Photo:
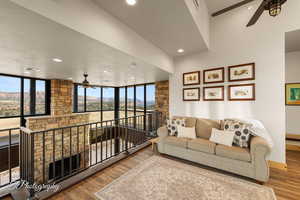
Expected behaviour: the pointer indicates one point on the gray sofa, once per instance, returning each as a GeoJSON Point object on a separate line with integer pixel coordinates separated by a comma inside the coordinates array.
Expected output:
{"type": "Point", "coordinates": [250, 162]}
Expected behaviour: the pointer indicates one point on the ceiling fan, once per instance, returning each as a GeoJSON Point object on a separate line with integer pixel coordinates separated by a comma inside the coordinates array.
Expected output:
{"type": "Point", "coordinates": [85, 83]}
{"type": "Point", "coordinates": [273, 6]}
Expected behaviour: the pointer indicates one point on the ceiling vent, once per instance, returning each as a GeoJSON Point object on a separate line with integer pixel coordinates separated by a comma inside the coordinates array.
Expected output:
{"type": "Point", "coordinates": [196, 3]}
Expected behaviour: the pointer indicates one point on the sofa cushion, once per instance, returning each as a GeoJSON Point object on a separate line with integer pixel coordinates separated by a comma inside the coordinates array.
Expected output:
{"type": "Point", "coordinates": [189, 121]}
{"type": "Point", "coordinates": [175, 141]}
{"type": "Point", "coordinates": [204, 127]}
{"type": "Point", "coordinates": [201, 145]}
{"type": "Point", "coordinates": [234, 152]}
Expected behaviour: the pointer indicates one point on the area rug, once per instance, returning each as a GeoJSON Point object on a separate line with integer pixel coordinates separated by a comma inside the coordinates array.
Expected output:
{"type": "Point", "coordinates": [160, 178]}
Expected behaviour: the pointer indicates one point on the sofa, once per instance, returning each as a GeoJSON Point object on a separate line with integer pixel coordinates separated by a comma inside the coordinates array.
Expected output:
{"type": "Point", "coordinates": [249, 162]}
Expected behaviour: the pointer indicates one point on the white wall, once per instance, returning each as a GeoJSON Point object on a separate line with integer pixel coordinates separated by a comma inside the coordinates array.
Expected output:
{"type": "Point", "coordinates": [292, 64]}
{"type": "Point", "coordinates": [232, 43]}
{"type": "Point", "coordinates": [201, 19]}
{"type": "Point", "coordinates": [87, 18]}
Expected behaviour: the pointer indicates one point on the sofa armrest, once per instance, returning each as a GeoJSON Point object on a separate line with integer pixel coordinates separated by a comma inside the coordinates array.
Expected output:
{"type": "Point", "coordinates": [162, 132]}
{"type": "Point", "coordinates": [259, 149]}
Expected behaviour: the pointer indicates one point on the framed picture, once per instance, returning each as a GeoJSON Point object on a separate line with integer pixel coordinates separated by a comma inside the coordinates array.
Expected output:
{"type": "Point", "coordinates": [292, 94]}
{"type": "Point", "coordinates": [243, 72]}
{"type": "Point", "coordinates": [245, 92]}
{"type": "Point", "coordinates": [213, 93]}
{"type": "Point", "coordinates": [215, 75]}
{"type": "Point", "coordinates": [191, 94]}
{"type": "Point", "coordinates": [191, 78]}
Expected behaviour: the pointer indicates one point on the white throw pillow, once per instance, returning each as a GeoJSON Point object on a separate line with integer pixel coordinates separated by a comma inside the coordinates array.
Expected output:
{"type": "Point", "coordinates": [222, 137]}
{"type": "Point", "coordinates": [186, 132]}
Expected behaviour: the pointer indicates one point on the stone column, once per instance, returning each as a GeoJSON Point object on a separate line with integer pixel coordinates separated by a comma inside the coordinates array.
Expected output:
{"type": "Point", "coordinates": [61, 97]}
{"type": "Point", "coordinates": [162, 98]}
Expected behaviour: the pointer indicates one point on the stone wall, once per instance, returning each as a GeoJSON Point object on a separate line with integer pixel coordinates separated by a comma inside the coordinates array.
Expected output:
{"type": "Point", "coordinates": [61, 97]}
{"type": "Point", "coordinates": [70, 148]}
{"type": "Point", "coordinates": [162, 98]}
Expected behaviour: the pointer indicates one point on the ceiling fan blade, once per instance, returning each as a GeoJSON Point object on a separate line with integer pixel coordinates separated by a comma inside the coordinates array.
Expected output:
{"type": "Point", "coordinates": [258, 13]}
{"type": "Point", "coordinates": [231, 7]}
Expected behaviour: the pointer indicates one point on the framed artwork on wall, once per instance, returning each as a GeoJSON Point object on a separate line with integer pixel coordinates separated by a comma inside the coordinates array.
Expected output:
{"type": "Point", "coordinates": [215, 75]}
{"type": "Point", "coordinates": [243, 72]}
{"type": "Point", "coordinates": [245, 92]}
{"type": "Point", "coordinates": [191, 78]}
{"type": "Point", "coordinates": [292, 94]}
{"type": "Point", "coordinates": [213, 93]}
{"type": "Point", "coordinates": [191, 94]}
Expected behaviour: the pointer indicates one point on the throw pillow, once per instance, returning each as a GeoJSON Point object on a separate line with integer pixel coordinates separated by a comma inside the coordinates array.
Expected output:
{"type": "Point", "coordinates": [242, 132]}
{"type": "Point", "coordinates": [186, 132]}
{"type": "Point", "coordinates": [222, 137]}
{"type": "Point", "coordinates": [173, 124]}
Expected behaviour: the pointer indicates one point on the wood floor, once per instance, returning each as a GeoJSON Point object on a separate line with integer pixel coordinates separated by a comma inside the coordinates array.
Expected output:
{"type": "Point", "coordinates": [285, 184]}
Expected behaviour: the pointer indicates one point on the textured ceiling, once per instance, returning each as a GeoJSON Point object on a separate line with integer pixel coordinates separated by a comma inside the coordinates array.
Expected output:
{"type": "Point", "coordinates": [30, 40]}
{"type": "Point", "coordinates": [168, 24]}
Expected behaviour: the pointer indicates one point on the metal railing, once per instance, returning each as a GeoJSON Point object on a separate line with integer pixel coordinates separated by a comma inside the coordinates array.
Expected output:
{"type": "Point", "coordinates": [9, 154]}
{"type": "Point", "coordinates": [53, 155]}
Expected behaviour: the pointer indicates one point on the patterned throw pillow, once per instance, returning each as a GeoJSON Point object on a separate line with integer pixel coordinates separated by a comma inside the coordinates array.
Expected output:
{"type": "Point", "coordinates": [172, 126]}
{"type": "Point", "coordinates": [242, 132]}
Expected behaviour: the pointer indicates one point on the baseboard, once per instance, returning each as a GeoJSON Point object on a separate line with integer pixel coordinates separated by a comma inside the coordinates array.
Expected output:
{"type": "Point", "coordinates": [293, 136]}
{"type": "Point", "coordinates": [292, 147]}
{"type": "Point", "coordinates": [277, 165]}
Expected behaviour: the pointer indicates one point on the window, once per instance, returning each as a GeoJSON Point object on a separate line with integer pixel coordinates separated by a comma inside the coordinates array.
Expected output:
{"type": "Point", "coordinates": [122, 102]}
{"type": "Point", "coordinates": [101, 102]}
{"type": "Point", "coordinates": [26, 97]}
{"type": "Point", "coordinates": [10, 90]}
{"type": "Point", "coordinates": [93, 99]}
{"type": "Point", "coordinates": [80, 98]}
{"type": "Point", "coordinates": [40, 97]}
{"type": "Point", "coordinates": [140, 100]}
{"type": "Point", "coordinates": [150, 96]}
{"type": "Point", "coordinates": [130, 101]}
{"type": "Point", "coordinates": [108, 103]}
{"type": "Point", "coordinates": [20, 97]}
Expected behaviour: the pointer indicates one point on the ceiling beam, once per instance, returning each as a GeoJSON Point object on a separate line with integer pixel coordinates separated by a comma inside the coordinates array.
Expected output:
{"type": "Point", "coordinates": [220, 12]}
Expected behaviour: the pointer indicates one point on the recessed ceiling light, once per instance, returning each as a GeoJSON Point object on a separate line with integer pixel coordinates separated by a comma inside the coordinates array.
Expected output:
{"type": "Point", "coordinates": [26, 72]}
{"type": "Point", "coordinates": [180, 50]}
{"type": "Point", "coordinates": [131, 2]}
{"type": "Point", "coordinates": [70, 78]}
{"type": "Point", "coordinates": [105, 71]}
{"type": "Point", "coordinates": [250, 7]}
{"type": "Point", "coordinates": [57, 60]}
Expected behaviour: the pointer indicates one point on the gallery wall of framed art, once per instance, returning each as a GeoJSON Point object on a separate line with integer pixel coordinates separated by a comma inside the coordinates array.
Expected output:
{"type": "Point", "coordinates": [216, 76]}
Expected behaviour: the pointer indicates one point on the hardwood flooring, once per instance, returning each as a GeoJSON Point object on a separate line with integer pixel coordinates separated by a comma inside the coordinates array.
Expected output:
{"type": "Point", "coordinates": [285, 184]}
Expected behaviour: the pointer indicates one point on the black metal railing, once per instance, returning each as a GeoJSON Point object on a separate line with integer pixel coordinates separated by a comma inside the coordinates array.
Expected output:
{"type": "Point", "coordinates": [9, 155]}
{"type": "Point", "coordinates": [53, 155]}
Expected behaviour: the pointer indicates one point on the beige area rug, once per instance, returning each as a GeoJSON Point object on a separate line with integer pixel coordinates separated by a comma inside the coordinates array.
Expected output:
{"type": "Point", "coordinates": [160, 178]}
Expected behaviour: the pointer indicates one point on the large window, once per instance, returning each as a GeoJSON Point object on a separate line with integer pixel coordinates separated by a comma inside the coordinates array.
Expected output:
{"type": "Point", "coordinates": [140, 99]}
{"type": "Point", "coordinates": [21, 97]}
{"type": "Point", "coordinates": [150, 97]}
{"type": "Point", "coordinates": [98, 101]}
{"type": "Point", "coordinates": [101, 101]}
{"type": "Point", "coordinates": [130, 101]}
{"type": "Point", "coordinates": [108, 103]}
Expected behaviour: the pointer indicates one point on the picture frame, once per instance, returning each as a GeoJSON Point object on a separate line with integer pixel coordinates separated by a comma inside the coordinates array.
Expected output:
{"type": "Point", "coordinates": [191, 78]}
{"type": "Point", "coordinates": [191, 94]}
{"type": "Point", "coordinates": [215, 75]}
{"type": "Point", "coordinates": [243, 92]}
{"type": "Point", "coordinates": [292, 94]}
{"type": "Point", "coordinates": [215, 93]}
{"type": "Point", "coordinates": [244, 72]}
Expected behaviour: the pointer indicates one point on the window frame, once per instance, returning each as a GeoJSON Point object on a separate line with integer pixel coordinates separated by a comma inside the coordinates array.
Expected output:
{"type": "Point", "coordinates": [32, 96]}
{"type": "Point", "coordinates": [116, 100]}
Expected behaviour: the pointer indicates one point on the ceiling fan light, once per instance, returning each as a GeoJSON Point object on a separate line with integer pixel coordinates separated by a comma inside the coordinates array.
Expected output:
{"type": "Point", "coordinates": [275, 8]}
